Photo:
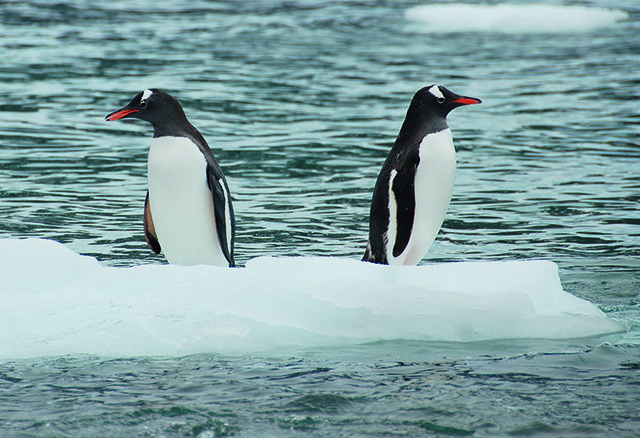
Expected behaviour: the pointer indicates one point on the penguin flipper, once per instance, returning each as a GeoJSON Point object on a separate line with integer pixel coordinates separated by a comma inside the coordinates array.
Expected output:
{"type": "Point", "coordinates": [403, 188]}
{"type": "Point", "coordinates": [149, 228]}
{"type": "Point", "coordinates": [223, 212]}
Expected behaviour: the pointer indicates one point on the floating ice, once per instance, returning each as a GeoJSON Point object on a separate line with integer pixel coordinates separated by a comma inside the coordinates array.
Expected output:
{"type": "Point", "coordinates": [510, 18]}
{"type": "Point", "coordinates": [57, 302]}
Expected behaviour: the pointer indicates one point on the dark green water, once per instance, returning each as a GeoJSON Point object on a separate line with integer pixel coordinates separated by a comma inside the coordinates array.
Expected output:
{"type": "Point", "coordinates": [300, 102]}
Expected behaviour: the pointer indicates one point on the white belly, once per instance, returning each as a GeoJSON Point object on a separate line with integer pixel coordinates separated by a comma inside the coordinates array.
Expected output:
{"type": "Point", "coordinates": [433, 188]}
{"type": "Point", "coordinates": [181, 203]}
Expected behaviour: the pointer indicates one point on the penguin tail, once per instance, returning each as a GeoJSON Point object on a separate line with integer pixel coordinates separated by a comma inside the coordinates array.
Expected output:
{"type": "Point", "coordinates": [370, 256]}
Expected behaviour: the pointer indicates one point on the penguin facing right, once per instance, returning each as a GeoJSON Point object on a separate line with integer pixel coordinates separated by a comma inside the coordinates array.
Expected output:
{"type": "Point", "coordinates": [415, 184]}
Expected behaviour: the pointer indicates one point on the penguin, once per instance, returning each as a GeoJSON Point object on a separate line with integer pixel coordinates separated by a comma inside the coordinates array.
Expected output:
{"type": "Point", "coordinates": [415, 184]}
{"type": "Point", "coordinates": [188, 213]}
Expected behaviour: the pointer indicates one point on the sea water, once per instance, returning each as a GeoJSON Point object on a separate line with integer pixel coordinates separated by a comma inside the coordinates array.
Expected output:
{"type": "Point", "coordinates": [300, 102]}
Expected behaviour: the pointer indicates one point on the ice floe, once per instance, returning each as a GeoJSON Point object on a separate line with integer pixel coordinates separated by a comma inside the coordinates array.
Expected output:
{"type": "Point", "coordinates": [57, 302]}
{"type": "Point", "coordinates": [510, 18]}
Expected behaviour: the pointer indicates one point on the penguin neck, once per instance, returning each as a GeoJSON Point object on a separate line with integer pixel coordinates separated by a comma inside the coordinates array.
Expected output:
{"type": "Point", "coordinates": [173, 127]}
{"type": "Point", "coordinates": [419, 123]}
{"type": "Point", "coordinates": [181, 127]}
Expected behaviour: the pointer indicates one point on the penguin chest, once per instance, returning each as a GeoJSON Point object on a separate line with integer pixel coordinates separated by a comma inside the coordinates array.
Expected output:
{"type": "Point", "coordinates": [433, 186]}
{"type": "Point", "coordinates": [181, 203]}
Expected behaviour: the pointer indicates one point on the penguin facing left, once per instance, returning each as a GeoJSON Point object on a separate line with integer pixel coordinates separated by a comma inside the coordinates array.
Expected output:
{"type": "Point", "coordinates": [188, 213]}
{"type": "Point", "coordinates": [414, 187]}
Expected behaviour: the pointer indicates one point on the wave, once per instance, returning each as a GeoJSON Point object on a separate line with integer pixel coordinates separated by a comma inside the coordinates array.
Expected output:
{"type": "Point", "coordinates": [510, 18]}
{"type": "Point", "coordinates": [57, 302]}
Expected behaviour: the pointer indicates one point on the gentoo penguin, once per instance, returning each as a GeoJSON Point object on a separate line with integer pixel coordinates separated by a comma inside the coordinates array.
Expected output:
{"type": "Point", "coordinates": [187, 213]}
{"type": "Point", "coordinates": [415, 184]}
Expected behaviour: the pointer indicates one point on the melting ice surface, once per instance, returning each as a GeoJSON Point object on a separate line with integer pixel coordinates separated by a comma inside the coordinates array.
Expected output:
{"type": "Point", "coordinates": [56, 302]}
{"type": "Point", "coordinates": [510, 18]}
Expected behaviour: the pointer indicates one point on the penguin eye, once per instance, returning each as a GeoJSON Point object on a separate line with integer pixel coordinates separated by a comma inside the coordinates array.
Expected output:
{"type": "Point", "coordinates": [441, 99]}
{"type": "Point", "coordinates": [143, 104]}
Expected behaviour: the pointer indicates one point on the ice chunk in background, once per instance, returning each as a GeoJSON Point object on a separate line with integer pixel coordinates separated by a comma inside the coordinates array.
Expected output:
{"type": "Point", "coordinates": [510, 18]}
{"type": "Point", "coordinates": [57, 302]}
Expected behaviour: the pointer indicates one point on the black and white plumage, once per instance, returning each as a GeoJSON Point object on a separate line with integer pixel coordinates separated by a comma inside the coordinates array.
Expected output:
{"type": "Point", "coordinates": [188, 213]}
{"type": "Point", "coordinates": [414, 187]}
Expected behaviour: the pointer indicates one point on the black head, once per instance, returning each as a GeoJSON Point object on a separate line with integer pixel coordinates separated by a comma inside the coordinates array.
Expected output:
{"type": "Point", "coordinates": [428, 111]}
{"type": "Point", "coordinates": [439, 100]}
{"type": "Point", "coordinates": [153, 105]}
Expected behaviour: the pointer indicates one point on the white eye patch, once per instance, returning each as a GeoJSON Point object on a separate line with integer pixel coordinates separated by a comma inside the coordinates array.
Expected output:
{"type": "Point", "coordinates": [435, 91]}
{"type": "Point", "coordinates": [146, 94]}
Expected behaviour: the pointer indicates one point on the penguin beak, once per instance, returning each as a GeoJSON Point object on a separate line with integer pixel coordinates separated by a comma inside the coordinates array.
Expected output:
{"type": "Point", "coordinates": [464, 100]}
{"type": "Point", "coordinates": [120, 114]}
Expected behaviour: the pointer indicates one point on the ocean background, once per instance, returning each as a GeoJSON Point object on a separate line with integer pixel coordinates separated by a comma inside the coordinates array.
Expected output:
{"type": "Point", "coordinates": [300, 102]}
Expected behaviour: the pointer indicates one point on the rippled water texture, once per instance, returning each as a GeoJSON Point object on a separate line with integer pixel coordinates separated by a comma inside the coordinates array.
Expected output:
{"type": "Point", "coordinates": [300, 101]}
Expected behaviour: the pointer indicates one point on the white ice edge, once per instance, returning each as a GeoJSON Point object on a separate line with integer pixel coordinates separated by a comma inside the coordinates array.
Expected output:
{"type": "Point", "coordinates": [510, 18]}
{"type": "Point", "coordinates": [56, 302]}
